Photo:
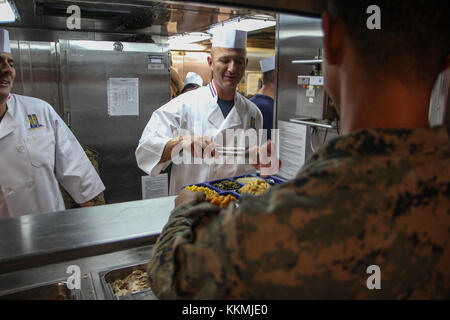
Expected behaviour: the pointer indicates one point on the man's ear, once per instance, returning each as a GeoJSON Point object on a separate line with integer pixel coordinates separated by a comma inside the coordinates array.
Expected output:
{"type": "Point", "coordinates": [209, 58]}
{"type": "Point", "coordinates": [332, 41]}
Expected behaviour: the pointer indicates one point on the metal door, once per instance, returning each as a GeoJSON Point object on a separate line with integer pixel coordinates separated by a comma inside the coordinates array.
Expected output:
{"type": "Point", "coordinates": [86, 67]}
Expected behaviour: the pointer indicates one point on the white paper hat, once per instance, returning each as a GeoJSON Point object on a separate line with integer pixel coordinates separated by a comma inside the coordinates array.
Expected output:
{"type": "Point", "coordinates": [267, 64]}
{"type": "Point", "coordinates": [230, 38]}
{"type": "Point", "coordinates": [4, 41]}
{"type": "Point", "coordinates": [193, 77]}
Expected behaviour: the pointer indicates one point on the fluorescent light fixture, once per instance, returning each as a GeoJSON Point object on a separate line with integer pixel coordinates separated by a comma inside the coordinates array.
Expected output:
{"type": "Point", "coordinates": [187, 41]}
{"type": "Point", "coordinates": [303, 33]}
{"type": "Point", "coordinates": [250, 23]}
{"type": "Point", "coordinates": [188, 47]}
{"type": "Point", "coordinates": [7, 11]}
{"type": "Point", "coordinates": [317, 61]}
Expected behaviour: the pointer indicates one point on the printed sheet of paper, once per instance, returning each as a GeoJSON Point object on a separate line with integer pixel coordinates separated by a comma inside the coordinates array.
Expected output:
{"type": "Point", "coordinates": [252, 82]}
{"type": "Point", "coordinates": [292, 148]}
{"type": "Point", "coordinates": [123, 96]}
{"type": "Point", "coordinates": [155, 187]}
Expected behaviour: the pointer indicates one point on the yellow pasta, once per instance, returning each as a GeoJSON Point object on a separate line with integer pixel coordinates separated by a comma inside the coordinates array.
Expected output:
{"type": "Point", "coordinates": [255, 187]}
{"type": "Point", "coordinates": [212, 196]}
{"type": "Point", "coordinates": [223, 201]}
{"type": "Point", "coordinates": [208, 192]}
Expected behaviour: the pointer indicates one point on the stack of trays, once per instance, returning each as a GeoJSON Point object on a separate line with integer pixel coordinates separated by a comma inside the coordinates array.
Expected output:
{"type": "Point", "coordinates": [231, 185]}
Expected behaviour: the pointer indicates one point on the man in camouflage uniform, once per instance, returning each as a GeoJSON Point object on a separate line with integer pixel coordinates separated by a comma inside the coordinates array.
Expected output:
{"type": "Point", "coordinates": [379, 195]}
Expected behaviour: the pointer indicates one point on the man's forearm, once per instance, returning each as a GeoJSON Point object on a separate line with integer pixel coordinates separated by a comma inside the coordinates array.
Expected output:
{"type": "Point", "coordinates": [161, 268]}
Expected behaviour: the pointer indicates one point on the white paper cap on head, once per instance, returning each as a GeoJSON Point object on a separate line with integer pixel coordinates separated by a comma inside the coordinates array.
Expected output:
{"type": "Point", "coordinates": [267, 64]}
{"type": "Point", "coordinates": [4, 41]}
{"type": "Point", "coordinates": [230, 38]}
{"type": "Point", "coordinates": [193, 77]}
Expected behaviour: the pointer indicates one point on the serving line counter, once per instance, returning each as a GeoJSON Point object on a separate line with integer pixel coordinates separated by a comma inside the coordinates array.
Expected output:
{"type": "Point", "coordinates": [39, 254]}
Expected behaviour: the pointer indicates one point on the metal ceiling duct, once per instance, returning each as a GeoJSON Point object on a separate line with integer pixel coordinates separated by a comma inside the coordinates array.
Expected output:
{"type": "Point", "coordinates": [128, 16]}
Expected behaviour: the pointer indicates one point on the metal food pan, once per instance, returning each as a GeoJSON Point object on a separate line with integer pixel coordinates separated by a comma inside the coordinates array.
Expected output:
{"type": "Point", "coordinates": [53, 291]}
{"type": "Point", "coordinates": [109, 276]}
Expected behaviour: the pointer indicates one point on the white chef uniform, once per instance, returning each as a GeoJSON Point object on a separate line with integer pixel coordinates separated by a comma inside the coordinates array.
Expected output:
{"type": "Point", "coordinates": [37, 151]}
{"type": "Point", "coordinates": [189, 111]}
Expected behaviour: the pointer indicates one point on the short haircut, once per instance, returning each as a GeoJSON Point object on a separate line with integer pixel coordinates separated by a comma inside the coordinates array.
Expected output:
{"type": "Point", "coordinates": [269, 76]}
{"type": "Point", "coordinates": [413, 41]}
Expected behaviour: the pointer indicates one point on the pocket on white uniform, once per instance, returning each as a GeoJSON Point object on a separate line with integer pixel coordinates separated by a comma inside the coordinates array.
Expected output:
{"type": "Point", "coordinates": [41, 148]}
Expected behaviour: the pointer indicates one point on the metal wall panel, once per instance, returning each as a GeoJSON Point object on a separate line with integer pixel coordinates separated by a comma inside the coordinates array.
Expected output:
{"type": "Point", "coordinates": [36, 71]}
{"type": "Point", "coordinates": [86, 67]}
{"type": "Point", "coordinates": [298, 38]}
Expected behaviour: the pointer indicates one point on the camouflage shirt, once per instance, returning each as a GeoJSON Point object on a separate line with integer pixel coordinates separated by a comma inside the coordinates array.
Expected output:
{"type": "Point", "coordinates": [375, 197]}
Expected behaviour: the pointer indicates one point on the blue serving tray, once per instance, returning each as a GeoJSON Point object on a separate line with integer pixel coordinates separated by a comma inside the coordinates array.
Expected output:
{"type": "Point", "coordinates": [219, 191]}
{"type": "Point", "coordinates": [204, 184]}
{"type": "Point", "coordinates": [272, 180]}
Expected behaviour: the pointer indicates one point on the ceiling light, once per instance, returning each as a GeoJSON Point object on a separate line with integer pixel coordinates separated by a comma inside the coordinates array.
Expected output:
{"type": "Point", "coordinates": [244, 23]}
{"type": "Point", "coordinates": [8, 11]}
{"type": "Point", "coordinates": [188, 40]}
{"type": "Point", "coordinates": [188, 47]}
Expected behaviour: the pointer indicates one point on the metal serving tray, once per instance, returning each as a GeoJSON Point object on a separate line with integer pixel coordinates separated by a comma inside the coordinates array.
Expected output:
{"type": "Point", "coordinates": [109, 276]}
{"type": "Point", "coordinates": [53, 291]}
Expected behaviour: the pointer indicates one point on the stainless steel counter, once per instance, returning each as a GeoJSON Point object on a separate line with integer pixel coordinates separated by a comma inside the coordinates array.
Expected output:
{"type": "Point", "coordinates": [44, 239]}
{"type": "Point", "coordinates": [91, 270]}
